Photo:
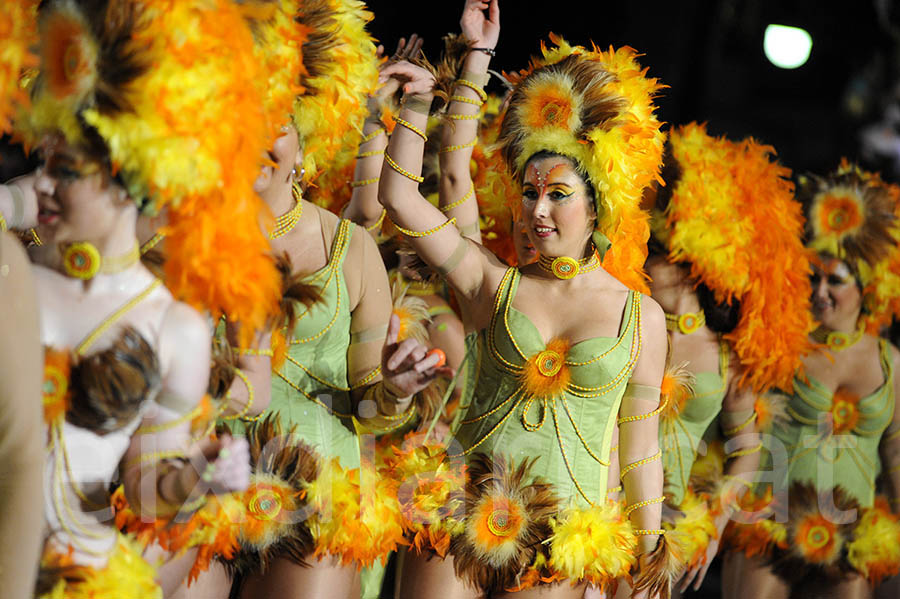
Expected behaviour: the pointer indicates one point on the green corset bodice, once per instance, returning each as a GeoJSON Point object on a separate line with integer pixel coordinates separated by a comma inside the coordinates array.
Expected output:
{"type": "Point", "coordinates": [681, 436]}
{"type": "Point", "coordinates": [310, 391]}
{"type": "Point", "coordinates": [832, 438]}
{"type": "Point", "coordinates": [556, 403]}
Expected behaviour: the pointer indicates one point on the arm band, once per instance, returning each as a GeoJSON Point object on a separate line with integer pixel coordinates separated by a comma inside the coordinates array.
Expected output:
{"type": "Point", "coordinates": [455, 258]}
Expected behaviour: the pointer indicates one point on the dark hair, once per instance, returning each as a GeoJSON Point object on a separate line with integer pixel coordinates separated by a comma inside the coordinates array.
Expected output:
{"type": "Point", "coordinates": [720, 317]}
{"type": "Point", "coordinates": [592, 196]}
{"type": "Point", "coordinates": [671, 174]}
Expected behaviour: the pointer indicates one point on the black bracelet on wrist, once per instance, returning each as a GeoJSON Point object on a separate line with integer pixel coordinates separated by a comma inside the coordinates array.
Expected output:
{"type": "Point", "coordinates": [489, 51]}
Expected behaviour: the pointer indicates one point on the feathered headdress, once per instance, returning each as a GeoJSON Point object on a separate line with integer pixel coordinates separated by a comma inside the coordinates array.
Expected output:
{"type": "Point", "coordinates": [855, 216]}
{"type": "Point", "coordinates": [171, 90]}
{"type": "Point", "coordinates": [342, 70]}
{"type": "Point", "coordinates": [596, 108]}
{"type": "Point", "coordinates": [18, 30]}
{"type": "Point", "coordinates": [731, 214]}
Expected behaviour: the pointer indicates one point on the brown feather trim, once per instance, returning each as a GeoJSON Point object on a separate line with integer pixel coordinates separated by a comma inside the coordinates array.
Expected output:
{"type": "Point", "coordinates": [448, 69]}
{"type": "Point", "coordinates": [281, 454]}
{"type": "Point", "coordinates": [808, 565]}
{"type": "Point", "coordinates": [294, 293]}
{"type": "Point", "coordinates": [599, 107]}
{"type": "Point", "coordinates": [221, 371]}
{"type": "Point", "coordinates": [499, 478]}
{"type": "Point", "coordinates": [109, 387]}
{"type": "Point", "coordinates": [657, 571]}
{"type": "Point", "coordinates": [322, 38]}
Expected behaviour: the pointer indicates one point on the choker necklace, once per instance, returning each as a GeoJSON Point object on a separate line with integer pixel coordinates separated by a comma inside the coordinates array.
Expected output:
{"type": "Point", "coordinates": [565, 267]}
{"type": "Point", "coordinates": [285, 223]}
{"type": "Point", "coordinates": [837, 340]}
{"type": "Point", "coordinates": [82, 260]}
{"type": "Point", "coordinates": [687, 323]}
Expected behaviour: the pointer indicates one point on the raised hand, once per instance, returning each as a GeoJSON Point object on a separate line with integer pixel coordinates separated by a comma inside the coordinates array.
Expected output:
{"type": "Point", "coordinates": [407, 366]}
{"type": "Point", "coordinates": [415, 80]}
{"type": "Point", "coordinates": [404, 52]}
{"type": "Point", "coordinates": [482, 31]}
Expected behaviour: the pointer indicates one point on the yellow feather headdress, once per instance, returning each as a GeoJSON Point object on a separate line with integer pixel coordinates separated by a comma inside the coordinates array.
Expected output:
{"type": "Point", "coordinates": [18, 30]}
{"type": "Point", "coordinates": [855, 216]}
{"type": "Point", "coordinates": [731, 214]}
{"type": "Point", "coordinates": [595, 107]}
{"type": "Point", "coordinates": [170, 89]}
{"type": "Point", "coordinates": [342, 70]}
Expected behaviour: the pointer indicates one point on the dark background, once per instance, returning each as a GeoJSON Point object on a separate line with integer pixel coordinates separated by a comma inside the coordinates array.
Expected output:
{"type": "Point", "coordinates": [710, 54]}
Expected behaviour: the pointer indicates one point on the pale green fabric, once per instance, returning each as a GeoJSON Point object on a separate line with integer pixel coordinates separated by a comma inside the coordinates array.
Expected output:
{"type": "Point", "coordinates": [573, 442]}
{"type": "Point", "coordinates": [680, 437]}
{"type": "Point", "coordinates": [310, 391]}
{"type": "Point", "coordinates": [818, 457]}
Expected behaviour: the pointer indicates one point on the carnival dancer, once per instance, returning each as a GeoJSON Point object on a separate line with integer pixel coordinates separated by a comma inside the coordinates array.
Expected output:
{"type": "Point", "coordinates": [813, 524]}
{"type": "Point", "coordinates": [536, 430]}
{"type": "Point", "coordinates": [728, 265]}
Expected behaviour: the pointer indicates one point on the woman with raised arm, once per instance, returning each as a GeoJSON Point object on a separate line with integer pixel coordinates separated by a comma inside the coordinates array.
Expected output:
{"type": "Point", "coordinates": [728, 265]}
{"type": "Point", "coordinates": [832, 535]}
{"type": "Point", "coordinates": [564, 349]}
{"type": "Point", "coordinates": [126, 364]}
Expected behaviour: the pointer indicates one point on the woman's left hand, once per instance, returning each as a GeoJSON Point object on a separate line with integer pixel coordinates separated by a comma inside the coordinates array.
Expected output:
{"type": "Point", "coordinates": [697, 573]}
{"type": "Point", "coordinates": [406, 366]}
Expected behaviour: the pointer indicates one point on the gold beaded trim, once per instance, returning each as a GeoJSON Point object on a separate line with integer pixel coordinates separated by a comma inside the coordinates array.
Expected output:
{"type": "Point", "coordinates": [152, 243]}
{"type": "Point", "coordinates": [256, 352]}
{"type": "Point", "coordinates": [655, 412]}
{"type": "Point", "coordinates": [466, 100]}
{"type": "Point", "coordinates": [378, 223]}
{"type": "Point", "coordinates": [477, 89]}
{"type": "Point", "coordinates": [449, 149]}
{"type": "Point", "coordinates": [401, 170]}
{"type": "Point", "coordinates": [645, 532]}
{"type": "Point", "coordinates": [743, 452]}
{"type": "Point", "coordinates": [430, 231]}
{"type": "Point", "coordinates": [463, 117]}
{"type": "Point", "coordinates": [250, 396]}
{"type": "Point", "coordinates": [459, 203]}
{"type": "Point", "coordinates": [639, 463]}
{"type": "Point", "coordinates": [112, 318]}
{"type": "Point", "coordinates": [838, 340]}
{"type": "Point", "coordinates": [411, 127]}
{"type": "Point", "coordinates": [370, 153]}
{"type": "Point", "coordinates": [372, 135]}
{"type": "Point", "coordinates": [285, 223]}
{"type": "Point", "coordinates": [733, 431]}
{"type": "Point", "coordinates": [645, 503]}
{"type": "Point", "coordinates": [3, 226]}
{"type": "Point", "coordinates": [364, 182]}
{"type": "Point", "coordinates": [564, 267]}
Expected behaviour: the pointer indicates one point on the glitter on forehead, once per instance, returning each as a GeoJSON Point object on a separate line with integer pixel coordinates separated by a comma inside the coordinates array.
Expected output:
{"type": "Point", "coordinates": [540, 181]}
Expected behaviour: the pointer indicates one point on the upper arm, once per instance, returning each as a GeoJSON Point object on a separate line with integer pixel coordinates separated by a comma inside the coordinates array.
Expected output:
{"type": "Point", "coordinates": [370, 305]}
{"type": "Point", "coordinates": [651, 362]}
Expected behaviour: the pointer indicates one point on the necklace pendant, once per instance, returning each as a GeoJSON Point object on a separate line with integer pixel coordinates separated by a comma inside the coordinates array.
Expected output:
{"type": "Point", "coordinates": [565, 267]}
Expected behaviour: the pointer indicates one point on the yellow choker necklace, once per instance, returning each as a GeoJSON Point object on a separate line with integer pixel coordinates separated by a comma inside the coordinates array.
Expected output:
{"type": "Point", "coordinates": [285, 223]}
{"type": "Point", "coordinates": [82, 260]}
{"type": "Point", "coordinates": [565, 267]}
{"type": "Point", "coordinates": [687, 323]}
{"type": "Point", "coordinates": [837, 340]}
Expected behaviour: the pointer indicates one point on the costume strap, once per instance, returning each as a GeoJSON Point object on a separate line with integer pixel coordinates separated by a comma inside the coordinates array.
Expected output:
{"type": "Point", "coordinates": [91, 338]}
{"type": "Point", "coordinates": [455, 258]}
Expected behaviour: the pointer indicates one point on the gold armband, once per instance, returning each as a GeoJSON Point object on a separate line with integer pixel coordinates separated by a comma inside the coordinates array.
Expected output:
{"type": "Point", "coordinates": [460, 202]}
{"type": "Point", "coordinates": [426, 233]}
{"type": "Point", "coordinates": [645, 503]}
{"type": "Point", "coordinates": [401, 170]}
{"type": "Point", "coordinates": [639, 463]}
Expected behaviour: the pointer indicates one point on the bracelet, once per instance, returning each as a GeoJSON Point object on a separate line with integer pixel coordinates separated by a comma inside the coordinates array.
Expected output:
{"type": "Point", "coordinates": [373, 134]}
{"type": "Point", "coordinates": [364, 182]}
{"type": "Point", "coordinates": [430, 231]}
{"type": "Point", "coordinates": [476, 88]}
{"type": "Point", "coordinates": [411, 127]}
{"type": "Point", "coordinates": [639, 463]}
{"type": "Point", "coordinates": [459, 203]}
{"type": "Point", "coordinates": [733, 431]}
{"type": "Point", "coordinates": [655, 412]}
{"type": "Point", "coordinates": [239, 373]}
{"type": "Point", "coordinates": [463, 117]}
{"type": "Point", "coordinates": [645, 503]}
{"type": "Point", "coordinates": [371, 153]}
{"type": "Point", "coordinates": [743, 452]}
{"type": "Point", "coordinates": [374, 227]}
{"type": "Point", "coordinates": [399, 169]}
{"type": "Point", "coordinates": [616, 489]}
{"type": "Point", "coordinates": [643, 532]}
{"type": "Point", "coordinates": [488, 51]}
{"type": "Point", "coordinates": [466, 100]}
{"type": "Point", "coordinates": [448, 149]}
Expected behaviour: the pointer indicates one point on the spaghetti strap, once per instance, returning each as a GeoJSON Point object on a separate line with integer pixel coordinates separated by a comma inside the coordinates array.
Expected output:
{"type": "Point", "coordinates": [91, 338]}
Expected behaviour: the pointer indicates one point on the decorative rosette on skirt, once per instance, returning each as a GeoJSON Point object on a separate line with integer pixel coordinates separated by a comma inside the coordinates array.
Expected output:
{"type": "Point", "coordinates": [508, 520]}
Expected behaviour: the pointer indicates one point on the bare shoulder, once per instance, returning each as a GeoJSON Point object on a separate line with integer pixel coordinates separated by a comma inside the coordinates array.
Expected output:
{"type": "Point", "coordinates": [653, 317]}
{"type": "Point", "coordinates": [184, 328]}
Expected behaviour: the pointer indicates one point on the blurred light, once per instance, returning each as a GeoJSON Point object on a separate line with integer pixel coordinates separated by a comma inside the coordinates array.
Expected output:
{"type": "Point", "coordinates": [787, 47]}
